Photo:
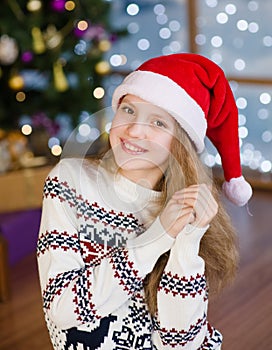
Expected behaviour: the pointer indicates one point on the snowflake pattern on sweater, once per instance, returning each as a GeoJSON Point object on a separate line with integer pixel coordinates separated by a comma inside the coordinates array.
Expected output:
{"type": "Point", "coordinates": [93, 258]}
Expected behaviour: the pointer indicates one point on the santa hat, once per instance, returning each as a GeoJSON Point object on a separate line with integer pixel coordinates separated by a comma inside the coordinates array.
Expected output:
{"type": "Point", "coordinates": [195, 91]}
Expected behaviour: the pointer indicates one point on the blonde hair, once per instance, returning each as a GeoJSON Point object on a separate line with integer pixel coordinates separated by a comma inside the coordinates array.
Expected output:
{"type": "Point", "coordinates": [218, 246]}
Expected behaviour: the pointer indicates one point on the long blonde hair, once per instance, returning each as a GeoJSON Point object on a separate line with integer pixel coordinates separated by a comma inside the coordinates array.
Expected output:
{"type": "Point", "coordinates": [218, 246]}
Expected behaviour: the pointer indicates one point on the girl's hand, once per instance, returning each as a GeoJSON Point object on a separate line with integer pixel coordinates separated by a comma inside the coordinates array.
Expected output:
{"type": "Point", "coordinates": [192, 205]}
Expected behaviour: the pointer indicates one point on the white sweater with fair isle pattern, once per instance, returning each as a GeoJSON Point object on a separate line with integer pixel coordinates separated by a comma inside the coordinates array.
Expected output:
{"type": "Point", "coordinates": [94, 252]}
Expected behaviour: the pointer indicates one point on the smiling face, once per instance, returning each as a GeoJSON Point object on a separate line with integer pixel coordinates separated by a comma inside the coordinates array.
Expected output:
{"type": "Point", "coordinates": [141, 136]}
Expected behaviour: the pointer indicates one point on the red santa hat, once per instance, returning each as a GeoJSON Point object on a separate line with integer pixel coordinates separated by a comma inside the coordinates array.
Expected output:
{"type": "Point", "coordinates": [195, 91]}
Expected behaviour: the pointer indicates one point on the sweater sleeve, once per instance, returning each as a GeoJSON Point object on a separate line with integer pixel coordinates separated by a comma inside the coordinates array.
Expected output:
{"type": "Point", "coordinates": [181, 320]}
{"type": "Point", "coordinates": [75, 292]}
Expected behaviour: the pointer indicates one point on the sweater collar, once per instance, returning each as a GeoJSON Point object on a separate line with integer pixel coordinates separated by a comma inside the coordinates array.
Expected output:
{"type": "Point", "coordinates": [123, 193]}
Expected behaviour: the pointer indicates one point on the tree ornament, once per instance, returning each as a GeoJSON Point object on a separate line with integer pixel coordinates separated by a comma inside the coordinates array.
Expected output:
{"type": "Point", "coordinates": [60, 81]}
{"type": "Point", "coordinates": [16, 82]}
{"type": "Point", "coordinates": [8, 50]}
{"type": "Point", "coordinates": [34, 5]}
{"type": "Point", "coordinates": [52, 37]}
{"type": "Point", "coordinates": [102, 67]}
{"type": "Point", "coordinates": [27, 56]}
{"type": "Point", "coordinates": [58, 5]}
{"type": "Point", "coordinates": [104, 45]}
{"type": "Point", "coordinates": [38, 41]}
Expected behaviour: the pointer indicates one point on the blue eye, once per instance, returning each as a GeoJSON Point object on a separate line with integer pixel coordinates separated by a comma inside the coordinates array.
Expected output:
{"type": "Point", "coordinates": [128, 110]}
{"type": "Point", "coordinates": [159, 124]}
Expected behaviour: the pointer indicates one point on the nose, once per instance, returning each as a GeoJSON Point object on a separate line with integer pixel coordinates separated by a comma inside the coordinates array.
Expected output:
{"type": "Point", "coordinates": [137, 129]}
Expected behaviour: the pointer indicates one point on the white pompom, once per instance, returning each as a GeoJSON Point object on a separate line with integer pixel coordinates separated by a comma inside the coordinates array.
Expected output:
{"type": "Point", "coordinates": [237, 190]}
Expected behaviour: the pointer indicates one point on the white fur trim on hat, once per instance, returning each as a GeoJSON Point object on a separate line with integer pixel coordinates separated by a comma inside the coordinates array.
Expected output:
{"type": "Point", "coordinates": [165, 93]}
{"type": "Point", "coordinates": [237, 190]}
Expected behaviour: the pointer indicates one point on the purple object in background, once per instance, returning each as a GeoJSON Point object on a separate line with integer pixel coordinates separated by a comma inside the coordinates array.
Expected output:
{"type": "Point", "coordinates": [20, 230]}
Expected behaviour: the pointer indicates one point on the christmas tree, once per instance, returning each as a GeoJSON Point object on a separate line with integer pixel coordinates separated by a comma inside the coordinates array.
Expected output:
{"type": "Point", "coordinates": [51, 58]}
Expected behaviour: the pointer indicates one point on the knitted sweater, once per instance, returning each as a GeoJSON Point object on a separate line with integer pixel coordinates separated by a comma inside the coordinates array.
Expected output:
{"type": "Point", "coordinates": [94, 252]}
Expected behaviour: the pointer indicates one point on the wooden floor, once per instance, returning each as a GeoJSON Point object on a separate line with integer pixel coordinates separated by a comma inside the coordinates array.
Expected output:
{"type": "Point", "coordinates": [243, 313]}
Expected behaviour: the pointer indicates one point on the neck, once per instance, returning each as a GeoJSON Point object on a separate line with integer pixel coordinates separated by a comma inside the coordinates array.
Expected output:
{"type": "Point", "coordinates": [149, 180]}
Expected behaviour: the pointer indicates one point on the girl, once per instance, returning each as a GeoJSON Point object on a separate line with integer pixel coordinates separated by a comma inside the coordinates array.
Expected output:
{"type": "Point", "coordinates": [131, 243]}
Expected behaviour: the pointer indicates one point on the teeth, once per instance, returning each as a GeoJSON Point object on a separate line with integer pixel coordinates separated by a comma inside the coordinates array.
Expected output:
{"type": "Point", "coordinates": [132, 148]}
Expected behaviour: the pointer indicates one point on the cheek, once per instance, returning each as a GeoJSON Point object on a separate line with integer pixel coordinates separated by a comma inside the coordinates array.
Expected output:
{"type": "Point", "coordinates": [164, 143]}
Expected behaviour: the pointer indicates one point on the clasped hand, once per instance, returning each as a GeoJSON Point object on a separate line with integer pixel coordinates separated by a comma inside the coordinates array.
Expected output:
{"type": "Point", "coordinates": [192, 205]}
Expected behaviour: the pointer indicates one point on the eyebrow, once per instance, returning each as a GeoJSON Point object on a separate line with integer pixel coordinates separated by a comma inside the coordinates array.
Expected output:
{"type": "Point", "coordinates": [125, 100]}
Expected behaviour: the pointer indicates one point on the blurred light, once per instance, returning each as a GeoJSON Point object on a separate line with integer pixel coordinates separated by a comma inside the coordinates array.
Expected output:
{"type": "Point", "coordinates": [26, 129]}
{"type": "Point", "coordinates": [53, 141]}
{"type": "Point", "coordinates": [239, 64]}
{"type": "Point", "coordinates": [133, 9]}
{"type": "Point", "coordinates": [104, 45]}
{"type": "Point", "coordinates": [253, 5]}
{"type": "Point", "coordinates": [80, 138]}
{"type": "Point", "coordinates": [102, 67]}
{"type": "Point", "coordinates": [123, 59]}
{"type": "Point", "coordinates": [242, 25]}
{"type": "Point", "coordinates": [241, 103]}
{"type": "Point", "coordinates": [253, 27]}
{"type": "Point", "coordinates": [108, 127]}
{"type": "Point", "coordinates": [234, 85]}
{"type": "Point", "coordinates": [242, 119]}
{"type": "Point", "coordinates": [230, 9]}
{"type": "Point", "coordinates": [216, 41]}
{"type": "Point", "coordinates": [267, 40]}
{"type": "Point", "coordinates": [56, 150]}
{"type": "Point", "coordinates": [165, 33]}
{"type": "Point", "coordinates": [133, 28]}
{"type": "Point", "coordinates": [81, 48]}
{"type": "Point", "coordinates": [243, 132]}
{"type": "Point", "coordinates": [70, 5]}
{"type": "Point", "coordinates": [16, 82]}
{"type": "Point", "coordinates": [217, 57]}
{"type": "Point", "coordinates": [143, 44]}
{"type": "Point", "coordinates": [166, 50]}
{"type": "Point", "coordinates": [254, 164]}
{"type": "Point", "coordinates": [159, 9]}
{"type": "Point", "coordinates": [84, 129]}
{"type": "Point", "coordinates": [175, 46]}
{"type": "Point", "coordinates": [263, 113]}
{"type": "Point", "coordinates": [267, 136]}
{"type": "Point", "coordinates": [94, 134]}
{"type": "Point", "coordinates": [82, 25]}
{"type": "Point", "coordinates": [162, 19]}
{"type": "Point", "coordinates": [34, 5]}
{"type": "Point", "coordinates": [20, 96]}
{"type": "Point", "coordinates": [222, 18]}
{"type": "Point", "coordinates": [99, 92]}
{"type": "Point", "coordinates": [211, 3]}
{"type": "Point", "coordinates": [266, 166]}
{"type": "Point", "coordinates": [265, 98]}
{"type": "Point", "coordinates": [116, 60]}
{"type": "Point", "coordinates": [200, 39]}
{"type": "Point", "coordinates": [174, 26]}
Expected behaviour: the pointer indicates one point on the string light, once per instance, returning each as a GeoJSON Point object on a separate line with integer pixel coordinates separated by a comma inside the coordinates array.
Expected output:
{"type": "Point", "coordinates": [99, 92]}
{"type": "Point", "coordinates": [20, 96]}
{"type": "Point", "coordinates": [26, 129]}
{"type": "Point", "coordinates": [34, 5]}
{"type": "Point", "coordinates": [70, 5]}
{"type": "Point", "coordinates": [133, 9]}
{"type": "Point", "coordinates": [56, 150]}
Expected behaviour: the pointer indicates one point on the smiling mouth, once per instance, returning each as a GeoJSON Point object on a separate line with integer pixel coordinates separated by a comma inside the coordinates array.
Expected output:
{"type": "Point", "coordinates": [131, 148]}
